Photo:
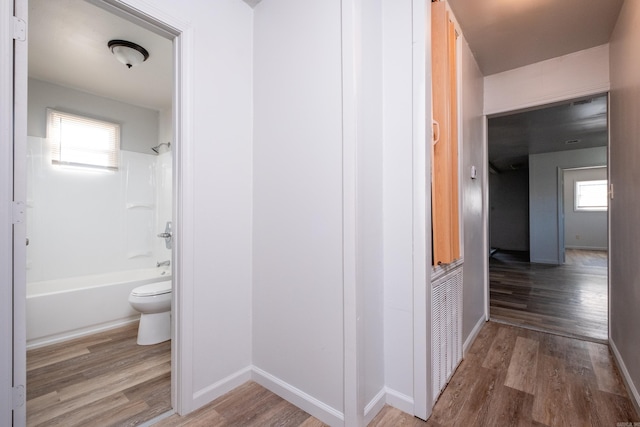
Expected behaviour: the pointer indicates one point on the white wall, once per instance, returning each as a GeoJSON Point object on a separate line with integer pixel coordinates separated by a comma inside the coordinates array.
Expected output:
{"type": "Point", "coordinates": [583, 229]}
{"type": "Point", "coordinates": [216, 196]}
{"type": "Point", "coordinates": [398, 202]}
{"type": "Point", "coordinates": [472, 153]}
{"type": "Point", "coordinates": [138, 126]}
{"type": "Point", "coordinates": [570, 76]}
{"type": "Point", "coordinates": [222, 179]}
{"type": "Point", "coordinates": [624, 212]}
{"type": "Point", "coordinates": [370, 202]}
{"type": "Point", "coordinates": [543, 198]}
{"type": "Point", "coordinates": [297, 228]}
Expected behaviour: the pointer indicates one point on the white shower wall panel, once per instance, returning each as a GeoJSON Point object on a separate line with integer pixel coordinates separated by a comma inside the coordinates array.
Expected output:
{"type": "Point", "coordinates": [163, 202]}
{"type": "Point", "coordinates": [82, 222]}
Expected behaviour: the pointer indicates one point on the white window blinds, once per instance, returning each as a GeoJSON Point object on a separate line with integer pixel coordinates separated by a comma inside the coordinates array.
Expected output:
{"type": "Point", "coordinates": [81, 141]}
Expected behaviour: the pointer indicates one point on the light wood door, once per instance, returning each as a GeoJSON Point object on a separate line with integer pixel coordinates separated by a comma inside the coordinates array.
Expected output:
{"type": "Point", "coordinates": [444, 180]}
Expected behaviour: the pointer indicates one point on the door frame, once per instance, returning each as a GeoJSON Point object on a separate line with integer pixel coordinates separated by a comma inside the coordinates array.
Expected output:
{"type": "Point", "coordinates": [421, 106]}
{"type": "Point", "coordinates": [154, 19]}
{"type": "Point", "coordinates": [13, 56]}
{"type": "Point", "coordinates": [526, 104]}
{"type": "Point", "coordinates": [150, 17]}
{"type": "Point", "coordinates": [560, 219]}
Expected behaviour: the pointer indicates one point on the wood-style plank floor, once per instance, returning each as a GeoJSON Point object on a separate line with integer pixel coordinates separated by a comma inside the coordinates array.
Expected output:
{"type": "Point", "coordinates": [510, 377]}
{"type": "Point", "coordinates": [569, 299]}
{"type": "Point", "coordinates": [104, 379]}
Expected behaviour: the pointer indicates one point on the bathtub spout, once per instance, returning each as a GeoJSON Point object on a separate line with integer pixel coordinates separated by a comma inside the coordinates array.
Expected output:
{"type": "Point", "coordinates": [160, 264]}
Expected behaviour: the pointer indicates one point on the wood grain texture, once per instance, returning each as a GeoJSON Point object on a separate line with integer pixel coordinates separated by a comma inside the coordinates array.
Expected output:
{"type": "Point", "coordinates": [522, 371]}
{"type": "Point", "coordinates": [569, 299]}
{"type": "Point", "coordinates": [248, 405]}
{"type": "Point", "coordinates": [564, 390]}
{"type": "Point", "coordinates": [444, 173]}
{"type": "Point", "coordinates": [510, 377]}
{"type": "Point", "coordinates": [98, 380]}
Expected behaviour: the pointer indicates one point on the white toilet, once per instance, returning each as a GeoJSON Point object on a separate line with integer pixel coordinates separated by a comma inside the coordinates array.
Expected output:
{"type": "Point", "coordinates": [153, 301]}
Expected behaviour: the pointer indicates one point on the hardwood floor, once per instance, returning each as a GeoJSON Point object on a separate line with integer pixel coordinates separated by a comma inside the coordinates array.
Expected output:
{"type": "Point", "coordinates": [510, 376]}
{"type": "Point", "coordinates": [248, 405]}
{"type": "Point", "coordinates": [104, 379]}
{"type": "Point", "coordinates": [542, 378]}
{"type": "Point", "coordinates": [569, 299]}
{"type": "Point", "coordinates": [519, 377]}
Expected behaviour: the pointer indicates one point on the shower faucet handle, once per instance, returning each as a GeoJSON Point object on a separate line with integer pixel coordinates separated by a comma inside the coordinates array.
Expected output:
{"type": "Point", "coordinates": [167, 235]}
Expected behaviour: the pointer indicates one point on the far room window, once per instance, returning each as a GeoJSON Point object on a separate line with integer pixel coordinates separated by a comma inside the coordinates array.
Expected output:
{"type": "Point", "coordinates": [591, 195]}
{"type": "Point", "coordinates": [82, 141]}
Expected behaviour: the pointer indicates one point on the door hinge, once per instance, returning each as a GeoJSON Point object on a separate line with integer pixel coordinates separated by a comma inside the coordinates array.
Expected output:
{"type": "Point", "coordinates": [18, 396]}
{"type": "Point", "coordinates": [18, 212]}
{"type": "Point", "coordinates": [19, 29]}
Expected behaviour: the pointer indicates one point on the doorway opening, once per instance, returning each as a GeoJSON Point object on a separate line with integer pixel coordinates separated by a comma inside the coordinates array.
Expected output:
{"type": "Point", "coordinates": [93, 229]}
{"type": "Point", "coordinates": [548, 257]}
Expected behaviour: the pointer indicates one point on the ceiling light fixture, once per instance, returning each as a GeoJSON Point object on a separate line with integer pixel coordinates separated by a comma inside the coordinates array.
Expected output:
{"type": "Point", "coordinates": [128, 53]}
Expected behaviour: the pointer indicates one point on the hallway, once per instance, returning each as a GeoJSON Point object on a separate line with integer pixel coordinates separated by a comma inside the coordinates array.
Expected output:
{"type": "Point", "coordinates": [510, 376]}
{"type": "Point", "coordinates": [569, 299]}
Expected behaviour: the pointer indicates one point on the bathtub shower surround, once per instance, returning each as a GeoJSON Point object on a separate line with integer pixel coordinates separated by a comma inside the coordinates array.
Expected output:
{"type": "Point", "coordinates": [89, 222]}
{"type": "Point", "coordinates": [61, 309]}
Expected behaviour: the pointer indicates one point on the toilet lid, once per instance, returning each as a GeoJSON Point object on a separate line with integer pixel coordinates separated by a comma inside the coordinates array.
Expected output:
{"type": "Point", "coordinates": [151, 289]}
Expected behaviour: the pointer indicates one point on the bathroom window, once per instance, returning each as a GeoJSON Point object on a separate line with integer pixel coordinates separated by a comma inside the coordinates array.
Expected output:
{"type": "Point", "coordinates": [82, 141]}
{"type": "Point", "coordinates": [591, 195]}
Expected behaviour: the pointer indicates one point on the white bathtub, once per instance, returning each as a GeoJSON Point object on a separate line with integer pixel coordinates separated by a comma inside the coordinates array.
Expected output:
{"type": "Point", "coordinates": [62, 309]}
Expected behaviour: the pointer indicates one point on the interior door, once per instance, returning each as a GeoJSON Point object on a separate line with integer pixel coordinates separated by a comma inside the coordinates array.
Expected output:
{"type": "Point", "coordinates": [20, 214]}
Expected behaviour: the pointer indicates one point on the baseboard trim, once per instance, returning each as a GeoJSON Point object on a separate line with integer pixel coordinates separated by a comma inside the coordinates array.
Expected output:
{"type": "Point", "coordinates": [374, 406]}
{"type": "Point", "coordinates": [217, 389]}
{"type": "Point", "coordinates": [299, 398]}
{"type": "Point", "coordinates": [587, 248]}
{"type": "Point", "coordinates": [399, 401]}
{"type": "Point", "coordinates": [626, 377]}
{"type": "Point", "coordinates": [473, 335]}
{"type": "Point", "coordinates": [78, 333]}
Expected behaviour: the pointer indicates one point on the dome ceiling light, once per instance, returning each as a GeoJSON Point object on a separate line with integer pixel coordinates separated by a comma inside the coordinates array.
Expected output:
{"type": "Point", "coordinates": [128, 53]}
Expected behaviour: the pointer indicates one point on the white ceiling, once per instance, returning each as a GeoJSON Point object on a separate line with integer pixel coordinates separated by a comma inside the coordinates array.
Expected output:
{"type": "Point", "coordinates": [68, 46]}
{"type": "Point", "coordinates": [507, 34]}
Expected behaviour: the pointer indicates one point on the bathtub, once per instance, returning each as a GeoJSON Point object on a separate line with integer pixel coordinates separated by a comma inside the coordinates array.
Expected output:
{"type": "Point", "coordinates": [61, 309]}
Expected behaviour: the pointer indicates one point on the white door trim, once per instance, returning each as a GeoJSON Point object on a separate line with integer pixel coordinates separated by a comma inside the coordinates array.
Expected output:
{"type": "Point", "coordinates": [8, 350]}
{"type": "Point", "coordinates": [182, 34]}
{"type": "Point", "coordinates": [19, 227]}
{"type": "Point", "coordinates": [422, 396]}
{"type": "Point", "coordinates": [515, 108]}
{"type": "Point", "coordinates": [144, 12]}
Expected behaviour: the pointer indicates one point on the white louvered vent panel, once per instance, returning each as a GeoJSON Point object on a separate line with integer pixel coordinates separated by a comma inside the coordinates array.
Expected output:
{"type": "Point", "coordinates": [438, 337]}
{"type": "Point", "coordinates": [446, 327]}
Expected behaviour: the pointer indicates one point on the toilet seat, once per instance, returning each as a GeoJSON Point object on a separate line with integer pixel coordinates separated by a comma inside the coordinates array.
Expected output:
{"type": "Point", "coordinates": [152, 289]}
